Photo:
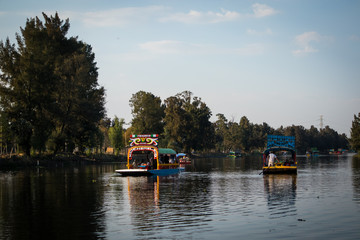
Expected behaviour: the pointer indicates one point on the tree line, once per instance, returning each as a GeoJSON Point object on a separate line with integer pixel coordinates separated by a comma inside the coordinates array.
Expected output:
{"type": "Point", "coordinates": [50, 100]}
{"type": "Point", "coordinates": [183, 122]}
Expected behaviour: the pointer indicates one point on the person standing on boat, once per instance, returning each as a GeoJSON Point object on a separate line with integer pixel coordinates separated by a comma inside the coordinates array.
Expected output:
{"type": "Point", "coordinates": [272, 158]}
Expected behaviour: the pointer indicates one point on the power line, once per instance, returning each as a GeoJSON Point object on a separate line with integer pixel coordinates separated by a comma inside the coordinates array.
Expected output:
{"type": "Point", "coordinates": [321, 122]}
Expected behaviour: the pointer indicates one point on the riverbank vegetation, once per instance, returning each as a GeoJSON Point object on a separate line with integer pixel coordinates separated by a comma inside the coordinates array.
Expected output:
{"type": "Point", "coordinates": [51, 103]}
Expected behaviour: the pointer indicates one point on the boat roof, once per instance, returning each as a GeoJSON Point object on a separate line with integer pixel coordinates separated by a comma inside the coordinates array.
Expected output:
{"type": "Point", "coordinates": [181, 154]}
{"type": "Point", "coordinates": [166, 151]}
{"type": "Point", "coordinates": [282, 141]}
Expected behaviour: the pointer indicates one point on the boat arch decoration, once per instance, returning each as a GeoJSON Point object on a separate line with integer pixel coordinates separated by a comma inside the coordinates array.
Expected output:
{"type": "Point", "coordinates": [145, 139]}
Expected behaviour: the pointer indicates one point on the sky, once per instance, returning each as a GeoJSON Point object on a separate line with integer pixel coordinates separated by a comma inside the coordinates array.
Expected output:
{"type": "Point", "coordinates": [283, 62]}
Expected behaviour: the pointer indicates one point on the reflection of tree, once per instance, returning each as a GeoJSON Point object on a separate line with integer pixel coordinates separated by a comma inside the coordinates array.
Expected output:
{"type": "Point", "coordinates": [59, 204]}
{"type": "Point", "coordinates": [168, 204]}
{"type": "Point", "coordinates": [356, 178]}
{"type": "Point", "coordinates": [281, 194]}
{"type": "Point", "coordinates": [227, 164]}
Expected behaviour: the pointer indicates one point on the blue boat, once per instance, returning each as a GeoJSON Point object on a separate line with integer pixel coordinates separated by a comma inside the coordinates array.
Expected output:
{"type": "Point", "coordinates": [284, 148]}
{"type": "Point", "coordinates": [144, 158]}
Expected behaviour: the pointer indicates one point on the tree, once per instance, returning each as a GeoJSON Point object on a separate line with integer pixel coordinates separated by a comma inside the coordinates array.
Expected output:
{"type": "Point", "coordinates": [245, 133]}
{"type": "Point", "coordinates": [355, 133]}
{"type": "Point", "coordinates": [187, 124]}
{"type": "Point", "coordinates": [221, 133]}
{"type": "Point", "coordinates": [116, 132]}
{"type": "Point", "coordinates": [49, 88]}
{"type": "Point", "coordinates": [148, 113]}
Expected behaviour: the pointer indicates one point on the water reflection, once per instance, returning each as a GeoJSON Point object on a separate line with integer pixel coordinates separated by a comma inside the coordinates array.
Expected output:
{"type": "Point", "coordinates": [167, 204]}
{"type": "Point", "coordinates": [356, 178]}
{"type": "Point", "coordinates": [213, 199]}
{"type": "Point", "coordinates": [228, 164]}
{"type": "Point", "coordinates": [41, 204]}
{"type": "Point", "coordinates": [280, 193]}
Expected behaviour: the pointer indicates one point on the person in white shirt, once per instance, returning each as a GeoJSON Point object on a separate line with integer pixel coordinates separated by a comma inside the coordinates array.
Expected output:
{"type": "Point", "coordinates": [272, 158]}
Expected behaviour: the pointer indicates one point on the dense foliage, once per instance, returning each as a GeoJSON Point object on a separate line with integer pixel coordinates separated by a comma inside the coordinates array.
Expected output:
{"type": "Point", "coordinates": [355, 133]}
{"type": "Point", "coordinates": [116, 132]}
{"type": "Point", "coordinates": [50, 97]}
{"type": "Point", "coordinates": [187, 123]}
{"type": "Point", "coordinates": [188, 127]}
{"type": "Point", "coordinates": [249, 137]}
{"type": "Point", "coordinates": [148, 113]}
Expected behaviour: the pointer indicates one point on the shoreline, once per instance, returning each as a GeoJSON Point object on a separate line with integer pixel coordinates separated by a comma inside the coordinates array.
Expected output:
{"type": "Point", "coordinates": [20, 162]}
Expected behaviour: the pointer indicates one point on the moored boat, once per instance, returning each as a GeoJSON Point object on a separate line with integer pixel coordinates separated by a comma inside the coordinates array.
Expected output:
{"type": "Point", "coordinates": [284, 149]}
{"type": "Point", "coordinates": [234, 154]}
{"type": "Point", "coordinates": [144, 158]}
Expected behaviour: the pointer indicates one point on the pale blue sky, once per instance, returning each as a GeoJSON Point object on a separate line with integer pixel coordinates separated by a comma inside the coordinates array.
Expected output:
{"type": "Point", "coordinates": [282, 62]}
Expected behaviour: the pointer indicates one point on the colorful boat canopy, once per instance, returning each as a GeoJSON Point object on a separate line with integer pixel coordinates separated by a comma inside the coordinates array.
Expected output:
{"type": "Point", "coordinates": [281, 141]}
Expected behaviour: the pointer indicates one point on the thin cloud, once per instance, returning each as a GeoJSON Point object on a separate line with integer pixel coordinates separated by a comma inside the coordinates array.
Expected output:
{"type": "Point", "coordinates": [129, 15]}
{"type": "Point", "coordinates": [198, 17]}
{"type": "Point", "coordinates": [203, 17]}
{"type": "Point", "coordinates": [306, 42]}
{"type": "Point", "coordinates": [118, 17]}
{"type": "Point", "coordinates": [262, 10]}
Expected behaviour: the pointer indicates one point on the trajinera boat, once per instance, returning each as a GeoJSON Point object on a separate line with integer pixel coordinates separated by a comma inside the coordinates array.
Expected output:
{"type": "Point", "coordinates": [284, 149]}
{"type": "Point", "coordinates": [183, 158]}
{"type": "Point", "coordinates": [144, 158]}
{"type": "Point", "coordinates": [234, 154]}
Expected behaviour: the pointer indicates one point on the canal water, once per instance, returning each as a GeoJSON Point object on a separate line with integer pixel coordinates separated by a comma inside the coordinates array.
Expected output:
{"type": "Point", "coordinates": [213, 199]}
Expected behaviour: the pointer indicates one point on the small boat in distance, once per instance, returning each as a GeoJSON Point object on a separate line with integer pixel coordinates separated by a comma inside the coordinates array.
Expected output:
{"type": "Point", "coordinates": [284, 148]}
{"type": "Point", "coordinates": [183, 158]}
{"type": "Point", "coordinates": [234, 154]}
{"type": "Point", "coordinates": [144, 158]}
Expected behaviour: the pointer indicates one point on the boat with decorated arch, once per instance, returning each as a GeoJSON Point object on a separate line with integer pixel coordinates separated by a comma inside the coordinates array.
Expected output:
{"type": "Point", "coordinates": [144, 158]}
{"type": "Point", "coordinates": [284, 149]}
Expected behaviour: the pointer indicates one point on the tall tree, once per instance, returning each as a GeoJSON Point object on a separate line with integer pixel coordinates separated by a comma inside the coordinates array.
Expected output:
{"type": "Point", "coordinates": [355, 133]}
{"type": "Point", "coordinates": [34, 92]}
{"type": "Point", "coordinates": [148, 113]}
{"type": "Point", "coordinates": [245, 133]}
{"type": "Point", "coordinates": [187, 123]}
{"type": "Point", "coordinates": [116, 132]}
{"type": "Point", "coordinates": [221, 133]}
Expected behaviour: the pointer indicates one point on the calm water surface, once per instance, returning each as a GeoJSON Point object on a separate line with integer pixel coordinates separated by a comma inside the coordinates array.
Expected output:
{"type": "Point", "coordinates": [213, 199]}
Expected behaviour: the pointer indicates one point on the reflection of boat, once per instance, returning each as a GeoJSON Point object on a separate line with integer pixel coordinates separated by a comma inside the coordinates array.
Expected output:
{"type": "Point", "coordinates": [280, 192]}
{"type": "Point", "coordinates": [144, 158]}
{"type": "Point", "coordinates": [234, 154]}
{"type": "Point", "coordinates": [284, 148]}
{"type": "Point", "coordinates": [183, 158]}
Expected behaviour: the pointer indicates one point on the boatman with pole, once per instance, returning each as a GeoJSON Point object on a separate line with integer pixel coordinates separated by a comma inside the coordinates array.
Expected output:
{"type": "Point", "coordinates": [272, 158]}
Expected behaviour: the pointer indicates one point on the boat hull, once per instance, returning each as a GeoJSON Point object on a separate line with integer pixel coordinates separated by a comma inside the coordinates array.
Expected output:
{"type": "Point", "coordinates": [280, 170]}
{"type": "Point", "coordinates": [147, 172]}
{"type": "Point", "coordinates": [134, 172]}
